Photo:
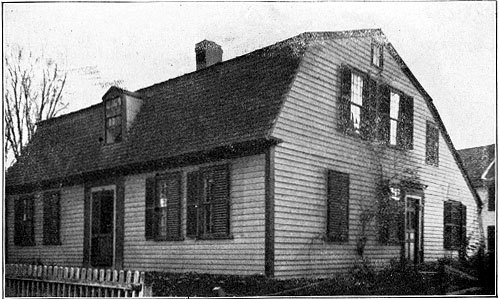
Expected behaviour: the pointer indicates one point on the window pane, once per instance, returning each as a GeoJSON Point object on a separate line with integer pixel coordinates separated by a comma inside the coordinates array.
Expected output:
{"type": "Point", "coordinates": [355, 117]}
{"type": "Point", "coordinates": [394, 105]}
{"type": "Point", "coordinates": [393, 132]}
{"type": "Point", "coordinates": [376, 55]}
{"type": "Point", "coordinates": [356, 89]}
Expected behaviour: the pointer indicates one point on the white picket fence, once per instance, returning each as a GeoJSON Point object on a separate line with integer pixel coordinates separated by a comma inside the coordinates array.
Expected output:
{"type": "Point", "coordinates": [46, 281]}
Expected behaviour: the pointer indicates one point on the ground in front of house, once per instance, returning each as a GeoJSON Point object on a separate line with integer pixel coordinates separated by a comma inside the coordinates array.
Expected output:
{"type": "Point", "coordinates": [397, 279]}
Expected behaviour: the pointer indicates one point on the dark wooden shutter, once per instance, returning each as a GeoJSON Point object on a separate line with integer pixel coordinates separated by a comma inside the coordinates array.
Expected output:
{"type": "Point", "coordinates": [338, 198]}
{"type": "Point", "coordinates": [405, 128]}
{"type": "Point", "coordinates": [193, 195]}
{"type": "Point", "coordinates": [18, 221]}
{"type": "Point", "coordinates": [150, 219]}
{"type": "Point", "coordinates": [381, 56]}
{"type": "Point", "coordinates": [221, 199]}
{"type": "Point", "coordinates": [344, 99]}
{"type": "Point", "coordinates": [368, 113]}
{"type": "Point", "coordinates": [491, 236]}
{"type": "Point", "coordinates": [384, 114]}
{"type": "Point", "coordinates": [51, 218]}
{"type": "Point", "coordinates": [462, 225]}
{"type": "Point", "coordinates": [491, 197]}
{"type": "Point", "coordinates": [431, 144]}
{"type": "Point", "coordinates": [447, 225]}
{"type": "Point", "coordinates": [173, 206]}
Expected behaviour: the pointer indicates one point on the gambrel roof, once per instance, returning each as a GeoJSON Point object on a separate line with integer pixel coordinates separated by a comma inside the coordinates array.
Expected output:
{"type": "Point", "coordinates": [227, 107]}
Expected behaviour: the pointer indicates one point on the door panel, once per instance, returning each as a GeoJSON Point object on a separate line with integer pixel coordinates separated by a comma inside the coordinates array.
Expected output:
{"type": "Point", "coordinates": [102, 238]}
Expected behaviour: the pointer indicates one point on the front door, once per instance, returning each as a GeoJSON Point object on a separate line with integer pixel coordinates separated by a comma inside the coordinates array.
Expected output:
{"type": "Point", "coordinates": [102, 236]}
{"type": "Point", "coordinates": [413, 228]}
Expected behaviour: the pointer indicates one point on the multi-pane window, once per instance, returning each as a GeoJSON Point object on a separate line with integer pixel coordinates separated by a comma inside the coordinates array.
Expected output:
{"type": "Point", "coordinates": [338, 195]}
{"type": "Point", "coordinates": [113, 121]}
{"type": "Point", "coordinates": [356, 101]}
{"type": "Point", "coordinates": [51, 218]}
{"type": "Point", "coordinates": [208, 202]}
{"type": "Point", "coordinates": [371, 110]}
{"type": "Point", "coordinates": [163, 197]}
{"type": "Point", "coordinates": [394, 116]}
{"type": "Point", "coordinates": [377, 55]}
{"type": "Point", "coordinates": [431, 144]}
{"type": "Point", "coordinates": [24, 234]}
{"type": "Point", "coordinates": [454, 225]}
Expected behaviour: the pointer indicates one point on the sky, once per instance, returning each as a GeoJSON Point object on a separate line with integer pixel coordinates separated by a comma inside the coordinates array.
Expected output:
{"type": "Point", "coordinates": [449, 46]}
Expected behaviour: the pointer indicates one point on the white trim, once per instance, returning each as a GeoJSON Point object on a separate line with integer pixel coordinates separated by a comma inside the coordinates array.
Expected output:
{"type": "Point", "coordinates": [484, 175]}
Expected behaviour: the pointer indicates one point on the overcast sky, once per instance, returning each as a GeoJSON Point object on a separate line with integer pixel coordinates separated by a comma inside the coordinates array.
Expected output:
{"type": "Point", "coordinates": [449, 46]}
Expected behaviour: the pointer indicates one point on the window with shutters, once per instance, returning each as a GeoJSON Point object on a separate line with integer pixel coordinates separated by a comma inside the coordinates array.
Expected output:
{"type": "Point", "coordinates": [113, 120]}
{"type": "Point", "coordinates": [163, 207]}
{"type": "Point", "coordinates": [208, 202]}
{"type": "Point", "coordinates": [51, 218]}
{"type": "Point", "coordinates": [454, 225]}
{"type": "Point", "coordinates": [491, 190]}
{"type": "Point", "coordinates": [338, 196]}
{"type": "Point", "coordinates": [377, 54]}
{"type": "Point", "coordinates": [370, 110]}
{"type": "Point", "coordinates": [24, 234]}
{"type": "Point", "coordinates": [431, 144]}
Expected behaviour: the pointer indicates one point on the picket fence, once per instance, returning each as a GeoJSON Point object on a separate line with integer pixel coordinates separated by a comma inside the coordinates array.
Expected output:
{"type": "Point", "coordinates": [46, 281]}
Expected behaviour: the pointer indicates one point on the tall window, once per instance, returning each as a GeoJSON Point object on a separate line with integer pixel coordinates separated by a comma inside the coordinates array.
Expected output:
{"type": "Point", "coordinates": [51, 218]}
{"type": "Point", "coordinates": [431, 144]}
{"type": "Point", "coordinates": [24, 234]}
{"type": "Point", "coordinates": [338, 196]}
{"type": "Point", "coordinates": [394, 116]}
{"type": "Point", "coordinates": [208, 202]}
{"type": "Point", "coordinates": [377, 55]}
{"type": "Point", "coordinates": [356, 101]}
{"type": "Point", "coordinates": [454, 225]}
{"type": "Point", "coordinates": [163, 197]}
{"type": "Point", "coordinates": [113, 122]}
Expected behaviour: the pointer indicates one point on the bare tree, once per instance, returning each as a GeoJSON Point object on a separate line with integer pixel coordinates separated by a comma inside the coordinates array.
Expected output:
{"type": "Point", "coordinates": [32, 92]}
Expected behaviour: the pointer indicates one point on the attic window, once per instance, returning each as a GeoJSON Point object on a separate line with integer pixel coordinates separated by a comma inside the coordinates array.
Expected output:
{"type": "Point", "coordinates": [377, 55]}
{"type": "Point", "coordinates": [113, 122]}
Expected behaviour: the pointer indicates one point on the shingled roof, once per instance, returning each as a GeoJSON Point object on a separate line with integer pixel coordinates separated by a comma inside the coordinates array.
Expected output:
{"type": "Point", "coordinates": [476, 160]}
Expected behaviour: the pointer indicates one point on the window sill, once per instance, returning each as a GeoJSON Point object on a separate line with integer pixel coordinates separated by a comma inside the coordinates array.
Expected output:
{"type": "Point", "coordinates": [167, 239]}
{"type": "Point", "coordinates": [215, 237]}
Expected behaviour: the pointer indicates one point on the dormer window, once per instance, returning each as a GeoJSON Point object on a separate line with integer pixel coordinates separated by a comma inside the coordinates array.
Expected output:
{"type": "Point", "coordinates": [114, 127]}
{"type": "Point", "coordinates": [377, 55]}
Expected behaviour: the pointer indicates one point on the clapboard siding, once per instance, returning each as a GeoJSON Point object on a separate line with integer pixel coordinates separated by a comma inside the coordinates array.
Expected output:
{"type": "Point", "coordinates": [312, 144]}
{"type": "Point", "coordinates": [244, 254]}
{"type": "Point", "coordinates": [70, 252]}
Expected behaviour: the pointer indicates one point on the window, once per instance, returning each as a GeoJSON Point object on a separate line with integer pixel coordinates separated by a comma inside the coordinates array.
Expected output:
{"type": "Point", "coordinates": [491, 197]}
{"type": "Point", "coordinates": [371, 111]}
{"type": "Point", "coordinates": [338, 195]}
{"type": "Point", "coordinates": [113, 120]}
{"type": "Point", "coordinates": [454, 225]}
{"type": "Point", "coordinates": [208, 202]}
{"type": "Point", "coordinates": [431, 144]}
{"type": "Point", "coordinates": [491, 236]}
{"type": "Point", "coordinates": [24, 234]}
{"type": "Point", "coordinates": [377, 55]}
{"type": "Point", "coordinates": [51, 218]}
{"type": "Point", "coordinates": [163, 197]}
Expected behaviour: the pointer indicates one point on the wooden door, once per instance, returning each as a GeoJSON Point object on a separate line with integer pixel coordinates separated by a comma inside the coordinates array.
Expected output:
{"type": "Point", "coordinates": [102, 232]}
{"type": "Point", "coordinates": [413, 229]}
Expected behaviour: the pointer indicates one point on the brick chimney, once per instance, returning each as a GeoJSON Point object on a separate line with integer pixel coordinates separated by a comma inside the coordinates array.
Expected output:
{"type": "Point", "coordinates": [207, 53]}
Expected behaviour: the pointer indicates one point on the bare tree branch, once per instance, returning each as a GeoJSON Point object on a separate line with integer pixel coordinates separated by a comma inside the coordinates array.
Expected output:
{"type": "Point", "coordinates": [33, 92]}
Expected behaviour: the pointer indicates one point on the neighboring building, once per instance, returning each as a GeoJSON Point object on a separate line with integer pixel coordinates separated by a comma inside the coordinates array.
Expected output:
{"type": "Point", "coordinates": [479, 163]}
{"type": "Point", "coordinates": [272, 162]}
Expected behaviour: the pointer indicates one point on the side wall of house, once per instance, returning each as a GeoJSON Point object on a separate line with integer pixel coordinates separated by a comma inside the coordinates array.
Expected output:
{"type": "Point", "coordinates": [70, 252]}
{"type": "Point", "coordinates": [312, 144]}
{"type": "Point", "coordinates": [242, 255]}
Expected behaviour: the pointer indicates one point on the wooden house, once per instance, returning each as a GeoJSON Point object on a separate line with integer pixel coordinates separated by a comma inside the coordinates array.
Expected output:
{"type": "Point", "coordinates": [479, 163]}
{"type": "Point", "coordinates": [296, 159]}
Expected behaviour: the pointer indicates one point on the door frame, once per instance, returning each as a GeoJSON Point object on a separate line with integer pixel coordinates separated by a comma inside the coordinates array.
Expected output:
{"type": "Point", "coordinates": [92, 191]}
{"type": "Point", "coordinates": [418, 250]}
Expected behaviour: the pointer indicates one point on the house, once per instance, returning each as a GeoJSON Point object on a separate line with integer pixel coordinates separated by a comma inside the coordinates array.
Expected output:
{"type": "Point", "coordinates": [479, 163]}
{"type": "Point", "coordinates": [296, 159]}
